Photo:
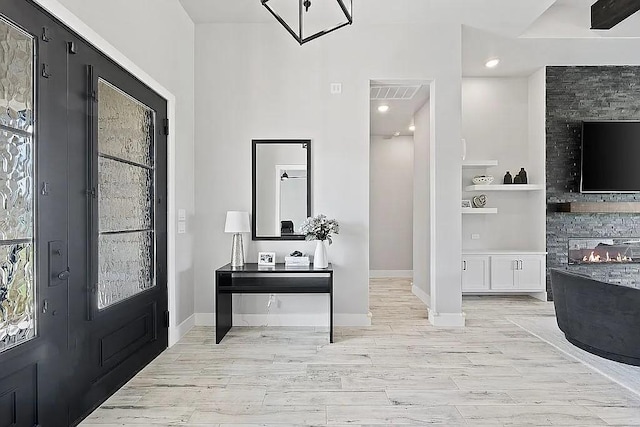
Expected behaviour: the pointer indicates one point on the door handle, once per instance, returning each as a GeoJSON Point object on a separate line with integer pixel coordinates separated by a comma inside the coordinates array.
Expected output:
{"type": "Point", "coordinates": [64, 275]}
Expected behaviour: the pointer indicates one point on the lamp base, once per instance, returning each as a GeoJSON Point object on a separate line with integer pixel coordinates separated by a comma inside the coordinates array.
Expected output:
{"type": "Point", "coordinates": [237, 251]}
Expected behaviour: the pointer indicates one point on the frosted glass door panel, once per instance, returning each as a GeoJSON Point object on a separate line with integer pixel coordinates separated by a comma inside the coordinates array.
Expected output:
{"type": "Point", "coordinates": [126, 242]}
{"type": "Point", "coordinates": [16, 77]}
{"type": "Point", "coordinates": [16, 185]}
{"type": "Point", "coordinates": [17, 284]}
{"type": "Point", "coordinates": [126, 196]}
{"type": "Point", "coordinates": [126, 266]}
{"type": "Point", "coordinates": [125, 126]}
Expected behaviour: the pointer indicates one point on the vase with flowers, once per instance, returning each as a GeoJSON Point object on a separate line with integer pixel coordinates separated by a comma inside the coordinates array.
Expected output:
{"type": "Point", "coordinates": [320, 228]}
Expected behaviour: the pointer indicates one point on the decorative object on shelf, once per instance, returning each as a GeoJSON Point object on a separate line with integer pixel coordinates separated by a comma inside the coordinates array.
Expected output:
{"type": "Point", "coordinates": [517, 179]}
{"type": "Point", "coordinates": [523, 176]}
{"type": "Point", "coordinates": [320, 228]}
{"type": "Point", "coordinates": [508, 179]}
{"type": "Point", "coordinates": [480, 201]}
{"type": "Point", "coordinates": [267, 258]}
{"type": "Point", "coordinates": [310, 15]}
{"type": "Point", "coordinates": [237, 223]}
{"type": "Point", "coordinates": [464, 149]}
{"type": "Point", "coordinates": [301, 261]}
{"type": "Point", "coordinates": [296, 259]}
{"type": "Point", "coordinates": [482, 179]}
{"type": "Point", "coordinates": [466, 204]}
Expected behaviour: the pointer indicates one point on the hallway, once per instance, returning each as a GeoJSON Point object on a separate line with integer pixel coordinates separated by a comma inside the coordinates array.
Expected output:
{"type": "Point", "coordinates": [400, 370]}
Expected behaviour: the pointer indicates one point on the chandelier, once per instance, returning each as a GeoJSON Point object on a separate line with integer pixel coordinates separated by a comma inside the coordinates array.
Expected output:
{"type": "Point", "coordinates": [307, 20]}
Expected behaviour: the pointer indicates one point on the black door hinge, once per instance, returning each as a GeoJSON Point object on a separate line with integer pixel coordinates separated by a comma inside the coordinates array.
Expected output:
{"type": "Point", "coordinates": [45, 71]}
{"type": "Point", "coordinates": [166, 319]}
{"type": "Point", "coordinates": [72, 48]}
{"type": "Point", "coordinates": [45, 34]}
{"type": "Point", "coordinates": [165, 127]}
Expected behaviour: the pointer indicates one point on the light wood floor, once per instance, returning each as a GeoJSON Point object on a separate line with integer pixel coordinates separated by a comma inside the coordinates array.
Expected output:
{"type": "Point", "coordinates": [398, 371]}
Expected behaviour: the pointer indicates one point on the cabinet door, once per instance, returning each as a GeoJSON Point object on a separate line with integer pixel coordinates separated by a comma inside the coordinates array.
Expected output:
{"type": "Point", "coordinates": [531, 274]}
{"type": "Point", "coordinates": [503, 272]}
{"type": "Point", "coordinates": [475, 273]}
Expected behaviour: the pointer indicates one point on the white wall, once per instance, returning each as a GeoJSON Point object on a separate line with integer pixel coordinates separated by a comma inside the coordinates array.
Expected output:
{"type": "Point", "coordinates": [495, 124]}
{"type": "Point", "coordinates": [391, 204]}
{"type": "Point", "coordinates": [422, 203]}
{"type": "Point", "coordinates": [255, 82]}
{"type": "Point", "coordinates": [139, 30]}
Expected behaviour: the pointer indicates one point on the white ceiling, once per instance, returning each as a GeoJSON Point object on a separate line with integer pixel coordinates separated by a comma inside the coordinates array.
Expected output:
{"type": "Point", "coordinates": [401, 111]}
{"type": "Point", "coordinates": [509, 17]}
{"type": "Point", "coordinates": [525, 34]}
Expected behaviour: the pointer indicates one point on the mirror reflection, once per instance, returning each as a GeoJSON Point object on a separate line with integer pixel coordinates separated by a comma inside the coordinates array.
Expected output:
{"type": "Point", "coordinates": [281, 199]}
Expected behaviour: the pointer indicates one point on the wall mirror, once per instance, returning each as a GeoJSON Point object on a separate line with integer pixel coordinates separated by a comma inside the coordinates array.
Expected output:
{"type": "Point", "coordinates": [281, 188]}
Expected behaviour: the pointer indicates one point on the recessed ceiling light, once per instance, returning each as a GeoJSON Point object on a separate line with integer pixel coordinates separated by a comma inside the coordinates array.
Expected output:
{"type": "Point", "coordinates": [412, 128]}
{"type": "Point", "coordinates": [383, 108]}
{"type": "Point", "coordinates": [492, 63]}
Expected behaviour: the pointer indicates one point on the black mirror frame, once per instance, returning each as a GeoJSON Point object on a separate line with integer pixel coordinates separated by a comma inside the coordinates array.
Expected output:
{"type": "Point", "coordinates": [254, 159]}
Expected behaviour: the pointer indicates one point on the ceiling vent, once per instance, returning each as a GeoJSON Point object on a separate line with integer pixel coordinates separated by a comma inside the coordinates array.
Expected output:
{"type": "Point", "coordinates": [393, 92]}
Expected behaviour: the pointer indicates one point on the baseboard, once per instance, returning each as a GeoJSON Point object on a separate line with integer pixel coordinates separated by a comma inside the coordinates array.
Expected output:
{"type": "Point", "coordinates": [378, 274]}
{"type": "Point", "coordinates": [422, 295]}
{"type": "Point", "coordinates": [181, 330]}
{"type": "Point", "coordinates": [302, 320]}
{"type": "Point", "coordinates": [447, 320]}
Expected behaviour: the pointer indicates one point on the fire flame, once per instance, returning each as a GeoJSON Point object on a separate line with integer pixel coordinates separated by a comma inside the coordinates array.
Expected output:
{"type": "Point", "coordinates": [597, 258]}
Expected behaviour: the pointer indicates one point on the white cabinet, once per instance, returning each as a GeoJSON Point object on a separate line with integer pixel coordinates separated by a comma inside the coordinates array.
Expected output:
{"type": "Point", "coordinates": [503, 273]}
{"type": "Point", "coordinates": [531, 275]}
{"type": "Point", "coordinates": [475, 273]}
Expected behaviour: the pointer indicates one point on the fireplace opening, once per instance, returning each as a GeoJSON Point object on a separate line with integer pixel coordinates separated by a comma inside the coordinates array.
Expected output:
{"type": "Point", "coordinates": [604, 251]}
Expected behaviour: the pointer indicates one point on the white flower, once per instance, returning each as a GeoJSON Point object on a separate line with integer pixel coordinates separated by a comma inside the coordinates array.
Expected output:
{"type": "Point", "coordinates": [319, 228]}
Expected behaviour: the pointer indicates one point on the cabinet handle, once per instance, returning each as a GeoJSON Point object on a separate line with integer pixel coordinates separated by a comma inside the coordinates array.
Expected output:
{"type": "Point", "coordinates": [520, 261]}
{"type": "Point", "coordinates": [464, 265]}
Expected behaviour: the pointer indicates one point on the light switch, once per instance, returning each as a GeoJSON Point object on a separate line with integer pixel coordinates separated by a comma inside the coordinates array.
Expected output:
{"type": "Point", "coordinates": [182, 215]}
{"type": "Point", "coordinates": [182, 227]}
{"type": "Point", "coordinates": [475, 237]}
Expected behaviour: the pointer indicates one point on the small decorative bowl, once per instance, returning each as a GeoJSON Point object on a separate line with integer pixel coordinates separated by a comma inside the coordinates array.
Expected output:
{"type": "Point", "coordinates": [482, 180]}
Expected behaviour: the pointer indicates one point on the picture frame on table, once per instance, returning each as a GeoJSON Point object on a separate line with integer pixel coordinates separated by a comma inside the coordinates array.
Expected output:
{"type": "Point", "coordinates": [466, 203]}
{"type": "Point", "coordinates": [267, 259]}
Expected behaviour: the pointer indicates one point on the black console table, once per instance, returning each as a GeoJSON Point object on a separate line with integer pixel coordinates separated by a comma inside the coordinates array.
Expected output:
{"type": "Point", "coordinates": [254, 279]}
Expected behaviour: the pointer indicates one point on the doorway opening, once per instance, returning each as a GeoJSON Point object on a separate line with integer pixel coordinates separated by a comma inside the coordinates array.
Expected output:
{"type": "Point", "coordinates": [399, 180]}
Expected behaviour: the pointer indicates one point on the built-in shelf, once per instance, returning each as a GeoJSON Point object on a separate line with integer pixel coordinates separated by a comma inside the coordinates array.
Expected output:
{"type": "Point", "coordinates": [479, 211]}
{"type": "Point", "coordinates": [505, 187]}
{"type": "Point", "coordinates": [479, 163]}
{"type": "Point", "coordinates": [595, 207]}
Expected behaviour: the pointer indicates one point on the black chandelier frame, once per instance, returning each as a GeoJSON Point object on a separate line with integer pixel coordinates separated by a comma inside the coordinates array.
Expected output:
{"type": "Point", "coordinates": [302, 8]}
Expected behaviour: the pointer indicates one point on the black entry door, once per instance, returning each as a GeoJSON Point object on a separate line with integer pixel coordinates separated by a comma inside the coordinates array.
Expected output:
{"type": "Point", "coordinates": [83, 291]}
{"type": "Point", "coordinates": [33, 218]}
{"type": "Point", "coordinates": [117, 186]}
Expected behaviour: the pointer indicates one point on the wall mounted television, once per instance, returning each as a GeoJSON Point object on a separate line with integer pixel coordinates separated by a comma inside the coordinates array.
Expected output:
{"type": "Point", "coordinates": [610, 157]}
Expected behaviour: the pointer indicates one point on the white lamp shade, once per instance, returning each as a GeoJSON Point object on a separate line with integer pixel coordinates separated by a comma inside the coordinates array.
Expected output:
{"type": "Point", "coordinates": [237, 222]}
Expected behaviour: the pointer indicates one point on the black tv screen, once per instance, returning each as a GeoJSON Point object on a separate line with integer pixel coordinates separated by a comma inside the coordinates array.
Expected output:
{"type": "Point", "coordinates": [610, 157]}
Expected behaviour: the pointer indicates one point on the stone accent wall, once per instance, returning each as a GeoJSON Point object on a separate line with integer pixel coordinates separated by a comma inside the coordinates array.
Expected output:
{"type": "Point", "coordinates": [576, 94]}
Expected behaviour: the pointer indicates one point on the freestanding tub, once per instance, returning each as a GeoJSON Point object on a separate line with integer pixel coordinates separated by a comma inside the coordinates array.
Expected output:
{"type": "Point", "coordinates": [601, 318]}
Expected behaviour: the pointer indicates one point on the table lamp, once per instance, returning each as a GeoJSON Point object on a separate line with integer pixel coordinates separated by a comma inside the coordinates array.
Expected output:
{"type": "Point", "coordinates": [237, 223]}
